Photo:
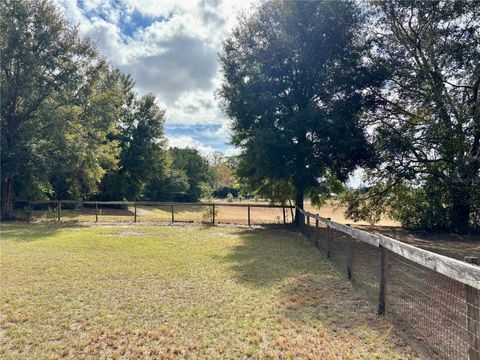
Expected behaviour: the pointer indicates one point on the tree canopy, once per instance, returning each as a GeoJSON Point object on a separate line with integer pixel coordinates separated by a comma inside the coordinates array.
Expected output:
{"type": "Point", "coordinates": [426, 128]}
{"type": "Point", "coordinates": [295, 86]}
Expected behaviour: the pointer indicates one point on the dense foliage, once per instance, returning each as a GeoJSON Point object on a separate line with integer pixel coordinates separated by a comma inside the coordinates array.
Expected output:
{"type": "Point", "coordinates": [426, 128]}
{"type": "Point", "coordinates": [295, 85]}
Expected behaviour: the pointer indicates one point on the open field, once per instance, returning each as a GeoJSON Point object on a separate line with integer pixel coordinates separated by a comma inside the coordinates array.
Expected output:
{"type": "Point", "coordinates": [125, 291]}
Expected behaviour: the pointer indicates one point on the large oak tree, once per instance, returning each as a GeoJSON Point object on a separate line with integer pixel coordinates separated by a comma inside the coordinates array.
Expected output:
{"type": "Point", "coordinates": [59, 103]}
{"type": "Point", "coordinates": [294, 85]}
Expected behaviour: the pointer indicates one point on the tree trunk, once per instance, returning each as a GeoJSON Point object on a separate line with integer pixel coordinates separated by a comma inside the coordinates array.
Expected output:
{"type": "Point", "coordinates": [299, 197]}
{"type": "Point", "coordinates": [460, 216]}
{"type": "Point", "coordinates": [7, 199]}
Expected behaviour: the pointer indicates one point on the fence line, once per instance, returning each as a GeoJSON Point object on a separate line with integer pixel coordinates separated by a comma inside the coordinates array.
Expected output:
{"type": "Point", "coordinates": [433, 299]}
{"type": "Point", "coordinates": [150, 211]}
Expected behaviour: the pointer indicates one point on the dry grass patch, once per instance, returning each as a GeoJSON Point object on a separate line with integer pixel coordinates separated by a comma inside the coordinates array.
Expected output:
{"type": "Point", "coordinates": [179, 292]}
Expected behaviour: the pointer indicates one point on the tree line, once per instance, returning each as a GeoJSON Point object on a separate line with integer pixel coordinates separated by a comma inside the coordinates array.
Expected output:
{"type": "Point", "coordinates": [317, 89]}
{"type": "Point", "coordinates": [72, 126]}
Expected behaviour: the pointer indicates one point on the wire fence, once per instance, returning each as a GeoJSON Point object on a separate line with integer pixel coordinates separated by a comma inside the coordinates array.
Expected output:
{"type": "Point", "coordinates": [432, 299]}
{"type": "Point", "coordinates": [153, 212]}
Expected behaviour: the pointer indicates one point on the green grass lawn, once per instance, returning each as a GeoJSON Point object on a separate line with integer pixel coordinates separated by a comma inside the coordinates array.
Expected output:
{"type": "Point", "coordinates": [125, 291]}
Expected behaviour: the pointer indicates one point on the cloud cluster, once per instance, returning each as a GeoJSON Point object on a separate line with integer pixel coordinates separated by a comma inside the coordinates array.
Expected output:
{"type": "Point", "coordinates": [170, 48]}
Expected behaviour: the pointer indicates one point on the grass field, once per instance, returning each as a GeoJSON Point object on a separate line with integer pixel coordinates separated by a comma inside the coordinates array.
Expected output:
{"type": "Point", "coordinates": [85, 291]}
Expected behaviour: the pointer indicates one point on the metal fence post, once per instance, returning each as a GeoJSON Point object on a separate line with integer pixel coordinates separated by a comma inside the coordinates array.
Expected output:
{"type": "Point", "coordinates": [382, 297]}
{"type": "Point", "coordinates": [173, 216]}
{"type": "Point", "coordinates": [29, 210]}
{"type": "Point", "coordinates": [213, 214]}
{"type": "Point", "coordinates": [59, 211]}
{"type": "Point", "coordinates": [249, 216]}
{"type": "Point", "coordinates": [135, 212]}
{"type": "Point", "coordinates": [472, 296]}
{"type": "Point", "coordinates": [96, 212]}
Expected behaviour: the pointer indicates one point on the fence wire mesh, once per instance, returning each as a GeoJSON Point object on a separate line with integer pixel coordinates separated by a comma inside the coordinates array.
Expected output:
{"type": "Point", "coordinates": [432, 309]}
{"type": "Point", "coordinates": [439, 315]}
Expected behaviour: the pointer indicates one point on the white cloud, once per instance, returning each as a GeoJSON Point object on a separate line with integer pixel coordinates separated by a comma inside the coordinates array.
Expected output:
{"type": "Point", "coordinates": [186, 141]}
{"type": "Point", "coordinates": [172, 54]}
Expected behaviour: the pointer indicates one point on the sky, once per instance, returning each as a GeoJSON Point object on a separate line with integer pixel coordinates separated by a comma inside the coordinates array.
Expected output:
{"type": "Point", "coordinates": [170, 47]}
{"type": "Point", "coordinates": [171, 50]}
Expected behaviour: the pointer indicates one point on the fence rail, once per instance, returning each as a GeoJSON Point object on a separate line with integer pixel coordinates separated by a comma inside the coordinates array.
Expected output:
{"type": "Point", "coordinates": [433, 299]}
{"type": "Point", "coordinates": [149, 211]}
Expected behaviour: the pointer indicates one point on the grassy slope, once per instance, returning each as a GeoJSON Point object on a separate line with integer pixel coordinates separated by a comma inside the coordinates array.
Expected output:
{"type": "Point", "coordinates": [170, 292]}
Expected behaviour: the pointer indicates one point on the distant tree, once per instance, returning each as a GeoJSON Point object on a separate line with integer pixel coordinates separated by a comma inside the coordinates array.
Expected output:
{"type": "Point", "coordinates": [427, 125]}
{"type": "Point", "coordinates": [295, 86]}
{"type": "Point", "coordinates": [58, 101]}
{"type": "Point", "coordinates": [222, 171]}
{"type": "Point", "coordinates": [195, 167]}
{"type": "Point", "coordinates": [143, 151]}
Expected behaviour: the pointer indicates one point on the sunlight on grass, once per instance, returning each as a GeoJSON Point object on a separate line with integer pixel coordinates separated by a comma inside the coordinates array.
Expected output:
{"type": "Point", "coordinates": [170, 291]}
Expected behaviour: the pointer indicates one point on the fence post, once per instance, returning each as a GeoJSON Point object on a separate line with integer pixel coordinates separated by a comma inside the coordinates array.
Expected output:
{"type": "Point", "coordinates": [249, 216]}
{"type": "Point", "coordinates": [284, 219]}
{"type": "Point", "coordinates": [29, 210]}
{"type": "Point", "coordinates": [329, 241]}
{"type": "Point", "coordinates": [173, 216]}
{"type": "Point", "coordinates": [348, 258]}
{"type": "Point", "coordinates": [213, 213]}
{"type": "Point", "coordinates": [308, 226]}
{"type": "Point", "coordinates": [59, 211]}
{"type": "Point", "coordinates": [472, 296]}
{"type": "Point", "coordinates": [316, 233]}
{"type": "Point", "coordinates": [96, 212]}
{"type": "Point", "coordinates": [135, 212]}
{"type": "Point", "coordinates": [382, 297]}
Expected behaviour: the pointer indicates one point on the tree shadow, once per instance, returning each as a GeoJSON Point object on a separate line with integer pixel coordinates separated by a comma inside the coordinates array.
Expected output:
{"type": "Point", "coordinates": [269, 254]}
{"type": "Point", "coordinates": [23, 232]}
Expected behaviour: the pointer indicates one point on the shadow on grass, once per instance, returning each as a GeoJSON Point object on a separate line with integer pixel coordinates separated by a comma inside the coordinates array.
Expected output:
{"type": "Point", "coordinates": [270, 254]}
{"type": "Point", "coordinates": [23, 232]}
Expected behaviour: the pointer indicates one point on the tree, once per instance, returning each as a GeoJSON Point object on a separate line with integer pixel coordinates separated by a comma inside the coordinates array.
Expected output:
{"type": "Point", "coordinates": [57, 101]}
{"type": "Point", "coordinates": [427, 125]}
{"type": "Point", "coordinates": [195, 167]}
{"type": "Point", "coordinates": [295, 86]}
{"type": "Point", "coordinates": [143, 151]}
{"type": "Point", "coordinates": [222, 171]}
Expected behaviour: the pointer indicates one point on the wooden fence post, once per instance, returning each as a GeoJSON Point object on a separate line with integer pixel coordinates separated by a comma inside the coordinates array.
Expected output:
{"type": "Point", "coordinates": [213, 213]}
{"type": "Point", "coordinates": [59, 211]}
{"type": "Point", "coordinates": [348, 258]}
{"type": "Point", "coordinates": [472, 296]}
{"type": "Point", "coordinates": [284, 219]}
{"type": "Point", "coordinates": [173, 216]}
{"type": "Point", "coordinates": [382, 297]}
{"type": "Point", "coordinates": [308, 226]}
{"type": "Point", "coordinates": [135, 212]}
{"type": "Point", "coordinates": [249, 216]}
{"type": "Point", "coordinates": [329, 241]}
{"type": "Point", "coordinates": [29, 210]}
{"type": "Point", "coordinates": [96, 212]}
